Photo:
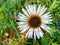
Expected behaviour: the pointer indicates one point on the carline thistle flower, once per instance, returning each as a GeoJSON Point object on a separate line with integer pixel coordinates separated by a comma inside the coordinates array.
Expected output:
{"type": "Point", "coordinates": [33, 20]}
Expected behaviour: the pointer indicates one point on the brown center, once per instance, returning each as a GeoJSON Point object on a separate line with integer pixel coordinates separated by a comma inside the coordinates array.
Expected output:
{"type": "Point", "coordinates": [34, 21]}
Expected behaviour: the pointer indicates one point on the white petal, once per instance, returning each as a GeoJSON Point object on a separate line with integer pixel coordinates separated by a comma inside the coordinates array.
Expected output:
{"type": "Point", "coordinates": [47, 21]}
{"type": "Point", "coordinates": [46, 17]}
{"type": "Point", "coordinates": [39, 33]}
{"type": "Point", "coordinates": [20, 26]}
{"type": "Point", "coordinates": [28, 10]}
{"type": "Point", "coordinates": [50, 20]}
{"type": "Point", "coordinates": [39, 9]}
{"type": "Point", "coordinates": [34, 8]}
{"type": "Point", "coordinates": [46, 14]}
{"type": "Point", "coordinates": [34, 34]}
{"type": "Point", "coordinates": [25, 26]}
{"type": "Point", "coordinates": [42, 10]}
{"type": "Point", "coordinates": [21, 15]}
{"type": "Point", "coordinates": [19, 23]}
{"type": "Point", "coordinates": [24, 29]}
{"type": "Point", "coordinates": [25, 12]}
{"type": "Point", "coordinates": [45, 27]}
{"type": "Point", "coordinates": [31, 9]}
{"type": "Point", "coordinates": [29, 33]}
{"type": "Point", "coordinates": [22, 18]}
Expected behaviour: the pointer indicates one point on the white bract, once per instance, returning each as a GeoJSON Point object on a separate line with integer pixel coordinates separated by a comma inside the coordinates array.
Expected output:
{"type": "Point", "coordinates": [34, 20]}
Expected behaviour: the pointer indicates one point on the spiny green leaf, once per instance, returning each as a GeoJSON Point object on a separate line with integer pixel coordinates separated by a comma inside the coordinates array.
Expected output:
{"type": "Point", "coordinates": [1, 16]}
{"type": "Point", "coordinates": [45, 41]}
{"type": "Point", "coordinates": [54, 43]}
{"type": "Point", "coordinates": [2, 8]}
{"type": "Point", "coordinates": [53, 6]}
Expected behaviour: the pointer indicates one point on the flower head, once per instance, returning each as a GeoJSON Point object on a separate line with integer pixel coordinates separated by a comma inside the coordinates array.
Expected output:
{"type": "Point", "coordinates": [34, 20]}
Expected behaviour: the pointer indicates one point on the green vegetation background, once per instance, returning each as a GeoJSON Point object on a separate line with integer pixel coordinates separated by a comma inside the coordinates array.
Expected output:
{"type": "Point", "coordinates": [9, 10]}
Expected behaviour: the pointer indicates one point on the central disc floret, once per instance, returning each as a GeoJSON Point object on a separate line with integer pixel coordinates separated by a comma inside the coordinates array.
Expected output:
{"type": "Point", "coordinates": [34, 21]}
